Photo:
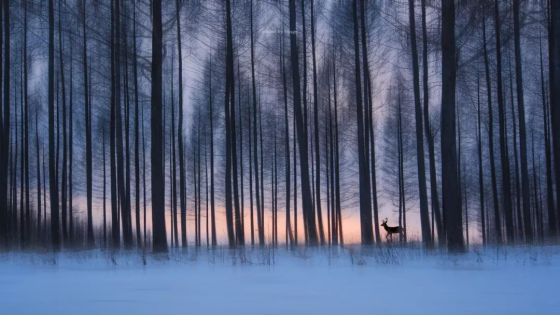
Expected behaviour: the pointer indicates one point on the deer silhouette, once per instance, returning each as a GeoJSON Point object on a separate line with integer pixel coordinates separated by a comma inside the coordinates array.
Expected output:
{"type": "Point", "coordinates": [390, 230]}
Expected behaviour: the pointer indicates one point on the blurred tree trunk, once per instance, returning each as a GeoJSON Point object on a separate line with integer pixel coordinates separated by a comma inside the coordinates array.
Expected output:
{"type": "Point", "coordinates": [365, 193]}
{"type": "Point", "coordinates": [53, 187]}
{"type": "Point", "coordinates": [255, 138]}
{"type": "Point", "coordinates": [182, 180]}
{"type": "Point", "coordinates": [369, 118]}
{"type": "Point", "coordinates": [429, 136]}
{"type": "Point", "coordinates": [89, 176]}
{"type": "Point", "coordinates": [158, 191]}
{"type": "Point", "coordinates": [506, 181]}
{"type": "Point", "coordinates": [301, 135]}
{"type": "Point", "coordinates": [522, 129]}
{"type": "Point", "coordinates": [422, 189]}
{"type": "Point", "coordinates": [137, 132]}
{"type": "Point", "coordinates": [552, 231]}
{"type": "Point", "coordinates": [211, 119]}
{"type": "Point", "coordinates": [289, 233]}
{"type": "Point", "coordinates": [228, 172]}
{"type": "Point", "coordinates": [480, 172]}
{"type": "Point", "coordinates": [450, 181]}
{"type": "Point", "coordinates": [316, 131]}
{"type": "Point", "coordinates": [554, 83]}
{"type": "Point", "coordinates": [114, 194]}
{"type": "Point", "coordinates": [497, 221]}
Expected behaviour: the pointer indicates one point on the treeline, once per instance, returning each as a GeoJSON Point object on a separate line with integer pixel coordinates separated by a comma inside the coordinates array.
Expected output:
{"type": "Point", "coordinates": [156, 124]}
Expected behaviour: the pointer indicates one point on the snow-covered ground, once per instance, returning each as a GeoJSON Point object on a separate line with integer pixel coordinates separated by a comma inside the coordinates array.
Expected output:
{"type": "Point", "coordinates": [512, 280]}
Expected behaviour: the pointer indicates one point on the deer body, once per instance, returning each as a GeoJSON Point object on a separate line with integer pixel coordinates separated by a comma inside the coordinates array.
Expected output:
{"type": "Point", "coordinates": [390, 230]}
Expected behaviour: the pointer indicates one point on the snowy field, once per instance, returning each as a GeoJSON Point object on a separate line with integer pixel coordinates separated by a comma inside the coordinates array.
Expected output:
{"type": "Point", "coordinates": [512, 280]}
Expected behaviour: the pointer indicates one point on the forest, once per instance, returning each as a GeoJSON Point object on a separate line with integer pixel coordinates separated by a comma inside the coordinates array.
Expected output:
{"type": "Point", "coordinates": [150, 124]}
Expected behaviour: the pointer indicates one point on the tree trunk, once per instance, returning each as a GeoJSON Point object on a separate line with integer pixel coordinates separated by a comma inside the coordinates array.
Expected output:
{"type": "Point", "coordinates": [429, 136]}
{"type": "Point", "coordinates": [227, 108]}
{"type": "Point", "coordinates": [115, 230]}
{"type": "Point", "coordinates": [522, 129]}
{"type": "Point", "coordinates": [506, 181]}
{"type": "Point", "coordinates": [212, 202]}
{"type": "Point", "coordinates": [158, 199]}
{"type": "Point", "coordinates": [552, 231]}
{"type": "Point", "coordinates": [289, 233]}
{"type": "Point", "coordinates": [182, 181]}
{"type": "Point", "coordinates": [316, 131]}
{"type": "Point", "coordinates": [554, 83]}
{"type": "Point", "coordinates": [365, 196]}
{"type": "Point", "coordinates": [38, 176]}
{"type": "Point", "coordinates": [55, 224]}
{"type": "Point", "coordinates": [301, 135]}
{"type": "Point", "coordinates": [89, 181]}
{"type": "Point", "coordinates": [255, 138]}
{"type": "Point", "coordinates": [5, 124]}
{"type": "Point", "coordinates": [497, 221]}
{"type": "Point", "coordinates": [450, 181]}
{"type": "Point", "coordinates": [480, 172]}
{"type": "Point", "coordinates": [422, 190]}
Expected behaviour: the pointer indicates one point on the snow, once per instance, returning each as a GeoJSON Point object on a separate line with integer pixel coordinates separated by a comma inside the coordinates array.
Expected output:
{"type": "Point", "coordinates": [354, 280]}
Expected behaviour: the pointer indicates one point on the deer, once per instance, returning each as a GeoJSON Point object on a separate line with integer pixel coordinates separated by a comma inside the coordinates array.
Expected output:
{"type": "Point", "coordinates": [390, 230]}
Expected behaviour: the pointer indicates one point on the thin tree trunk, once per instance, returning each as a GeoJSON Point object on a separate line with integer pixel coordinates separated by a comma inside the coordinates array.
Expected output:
{"type": "Point", "coordinates": [71, 149]}
{"type": "Point", "coordinates": [212, 201]}
{"type": "Point", "coordinates": [552, 231]}
{"type": "Point", "coordinates": [104, 195]}
{"type": "Point", "coordinates": [289, 233]}
{"type": "Point", "coordinates": [25, 98]}
{"type": "Point", "coordinates": [255, 138]}
{"type": "Point", "coordinates": [38, 176]}
{"type": "Point", "coordinates": [182, 180]}
{"type": "Point", "coordinates": [429, 137]}
{"type": "Point", "coordinates": [53, 187]}
{"type": "Point", "coordinates": [114, 194]}
{"type": "Point", "coordinates": [337, 171]}
{"type": "Point", "coordinates": [480, 172]}
{"type": "Point", "coordinates": [228, 172]}
{"type": "Point", "coordinates": [516, 161]}
{"type": "Point", "coordinates": [136, 134]}
{"type": "Point", "coordinates": [89, 180]}
{"type": "Point", "coordinates": [316, 131]}
{"type": "Point", "coordinates": [522, 129]}
{"type": "Point", "coordinates": [497, 221]}
{"type": "Point", "coordinates": [301, 130]}
{"type": "Point", "coordinates": [506, 181]}
{"type": "Point", "coordinates": [64, 133]}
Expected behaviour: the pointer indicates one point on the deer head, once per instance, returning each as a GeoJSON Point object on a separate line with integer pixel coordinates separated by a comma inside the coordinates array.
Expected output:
{"type": "Point", "coordinates": [383, 222]}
